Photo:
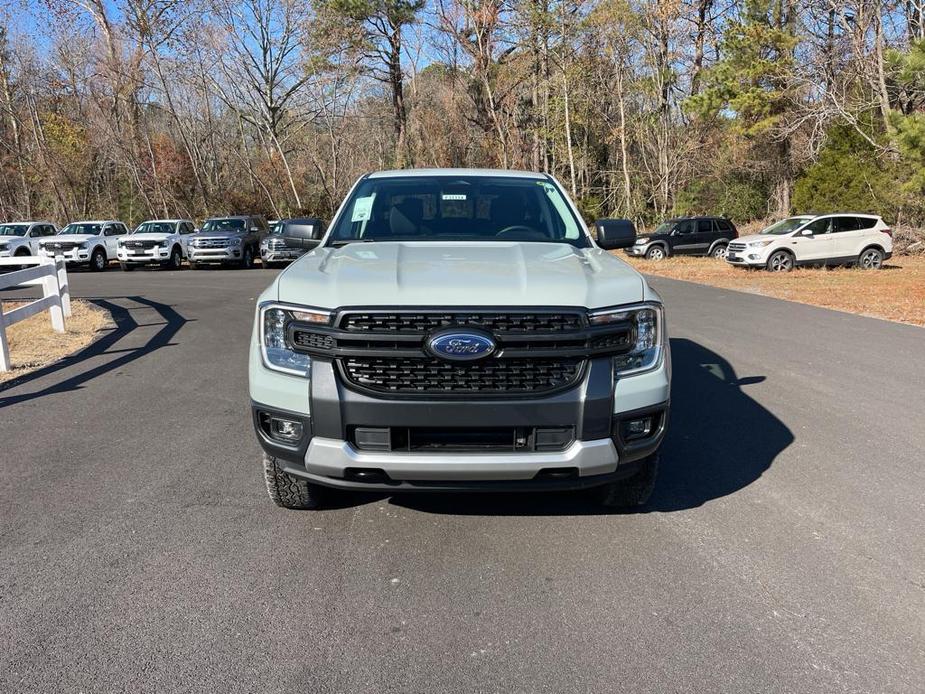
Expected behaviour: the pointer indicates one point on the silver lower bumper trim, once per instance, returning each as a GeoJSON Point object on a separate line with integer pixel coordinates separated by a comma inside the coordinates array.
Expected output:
{"type": "Point", "coordinates": [330, 457]}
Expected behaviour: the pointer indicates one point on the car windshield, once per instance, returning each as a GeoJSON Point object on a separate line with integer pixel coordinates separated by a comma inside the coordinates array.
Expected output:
{"type": "Point", "coordinates": [458, 208]}
{"type": "Point", "coordinates": [277, 228]}
{"type": "Point", "coordinates": [664, 228]}
{"type": "Point", "coordinates": [154, 228]}
{"type": "Point", "coordinates": [224, 225]}
{"type": "Point", "coordinates": [90, 228]}
{"type": "Point", "coordinates": [785, 226]}
{"type": "Point", "coordinates": [13, 229]}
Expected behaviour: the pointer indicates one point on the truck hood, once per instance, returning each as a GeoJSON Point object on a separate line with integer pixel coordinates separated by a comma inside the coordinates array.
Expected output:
{"type": "Point", "coordinates": [460, 274]}
{"type": "Point", "coordinates": [147, 236]}
{"type": "Point", "coordinates": [71, 238]}
{"type": "Point", "coordinates": [218, 235]}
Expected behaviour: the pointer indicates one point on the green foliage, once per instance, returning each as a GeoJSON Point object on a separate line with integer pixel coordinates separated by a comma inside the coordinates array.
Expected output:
{"type": "Point", "coordinates": [850, 175]}
{"type": "Point", "coordinates": [751, 83]}
{"type": "Point", "coordinates": [738, 199]}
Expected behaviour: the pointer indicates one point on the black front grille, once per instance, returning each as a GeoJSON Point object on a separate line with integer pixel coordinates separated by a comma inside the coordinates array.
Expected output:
{"type": "Point", "coordinates": [139, 245]}
{"type": "Point", "coordinates": [60, 246]}
{"type": "Point", "coordinates": [498, 323]}
{"type": "Point", "coordinates": [490, 377]}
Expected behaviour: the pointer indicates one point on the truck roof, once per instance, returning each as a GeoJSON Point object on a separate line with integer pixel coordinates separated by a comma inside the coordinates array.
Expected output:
{"type": "Point", "coordinates": [505, 173]}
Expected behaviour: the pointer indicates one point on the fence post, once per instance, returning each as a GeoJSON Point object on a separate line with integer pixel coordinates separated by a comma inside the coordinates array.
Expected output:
{"type": "Point", "coordinates": [63, 287]}
{"type": "Point", "coordinates": [5, 364]}
{"type": "Point", "coordinates": [50, 289]}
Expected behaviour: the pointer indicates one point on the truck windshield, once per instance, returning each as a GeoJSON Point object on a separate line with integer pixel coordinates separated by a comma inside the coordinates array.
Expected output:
{"type": "Point", "coordinates": [224, 225]}
{"type": "Point", "coordinates": [13, 229]}
{"type": "Point", "coordinates": [154, 228]}
{"type": "Point", "coordinates": [458, 208]}
{"type": "Point", "coordinates": [83, 228]}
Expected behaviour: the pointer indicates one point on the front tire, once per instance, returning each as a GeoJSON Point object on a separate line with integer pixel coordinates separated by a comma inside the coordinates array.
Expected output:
{"type": "Point", "coordinates": [870, 259]}
{"type": "Point", "coordinates": [287, 491]}
{"type": "Point", "coordinates": [780, 261]}
{"type": "Point", "coordinates": [655, 253]}
{"type": "Point", "coordinates": [634, 491]}
{"type": "Point", "coordinates": [176, 260]}
{"type": "Point", "coordinates": [98, 260]}
{"type": "Point", "coordinates": [247, 260]}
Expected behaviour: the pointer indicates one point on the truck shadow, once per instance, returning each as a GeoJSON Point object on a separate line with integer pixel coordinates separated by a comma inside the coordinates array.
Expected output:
{"type": "Point", "coordinates": [168, 323]}
{"type": "Point", "coordinates": [719, 441]}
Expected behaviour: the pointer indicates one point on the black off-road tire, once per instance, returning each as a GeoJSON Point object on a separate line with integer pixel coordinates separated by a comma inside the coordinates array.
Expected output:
{"type": "Point", "coordinates": [633, 491]}
{"type": "Point", "coordinates": [288, 491]}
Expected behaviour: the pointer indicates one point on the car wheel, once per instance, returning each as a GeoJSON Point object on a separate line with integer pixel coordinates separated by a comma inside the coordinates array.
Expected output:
{"type": "Point", "coordinates": [870, 259]}
{"type": "Point", "coordinates": [126, 267]}
{"type": "Point", "coordinates": [288, 491]}
{"type": "Point", "coordinates": [98, 260]}
{"type": "Point", "coordinates": [176, 260]}
{"type": "Point", "coordinates": [634, 491]}
{"type": "Point", "coordinates": [655, 253]}
{"type": "Point", "coordinates": [247, 261]}
{"type": "Point", "coordinates": [780, 261]}
{"type": "Point", "coordinates": [719, 252]}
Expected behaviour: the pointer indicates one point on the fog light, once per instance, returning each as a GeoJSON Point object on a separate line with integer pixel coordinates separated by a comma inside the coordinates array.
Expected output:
{"type": "Point", "coordinates": [633, 429]}
{"type": "Point", "coordinates": [753, 256]}
{"type": "Point", "coordinates": [283, 430]}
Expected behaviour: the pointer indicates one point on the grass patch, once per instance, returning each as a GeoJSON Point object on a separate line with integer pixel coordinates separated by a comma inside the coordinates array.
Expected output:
{"type": "Point", "coordinates": [897, 292]}
{"type": "Point", "coordinates": [33, 344]}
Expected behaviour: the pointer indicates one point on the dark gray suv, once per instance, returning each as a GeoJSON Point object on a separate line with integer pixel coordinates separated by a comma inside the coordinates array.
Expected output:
{"type": "Point", "coordinates": [686, 236]}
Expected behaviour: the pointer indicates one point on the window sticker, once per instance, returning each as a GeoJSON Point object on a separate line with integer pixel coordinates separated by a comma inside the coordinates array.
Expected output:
{"type": "Point", "coordinates": [453, 196]}
{"type": "Point", "coordinates": [362, 209]}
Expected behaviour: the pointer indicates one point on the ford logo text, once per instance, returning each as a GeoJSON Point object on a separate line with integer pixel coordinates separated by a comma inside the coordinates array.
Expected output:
{"type": "Point", "coordinates": [461, 346]}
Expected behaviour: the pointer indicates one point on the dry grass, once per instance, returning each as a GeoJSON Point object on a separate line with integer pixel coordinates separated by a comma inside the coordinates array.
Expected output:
{"type": "Point", "coordinates": [33, 344]}
{"type": "Point", "coordinates": [896, 292]}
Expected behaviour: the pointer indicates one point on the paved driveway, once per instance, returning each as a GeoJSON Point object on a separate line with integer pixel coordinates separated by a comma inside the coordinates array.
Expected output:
{"type": "Point", "coordinates": [784, 549]}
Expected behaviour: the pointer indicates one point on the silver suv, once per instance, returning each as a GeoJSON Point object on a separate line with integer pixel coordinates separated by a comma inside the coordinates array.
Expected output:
{"type": "Point", "coordinates": [460, 330]}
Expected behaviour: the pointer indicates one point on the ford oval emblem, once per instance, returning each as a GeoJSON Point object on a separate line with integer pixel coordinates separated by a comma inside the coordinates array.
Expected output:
{"type": "Point", "coordinates": [461, 345]}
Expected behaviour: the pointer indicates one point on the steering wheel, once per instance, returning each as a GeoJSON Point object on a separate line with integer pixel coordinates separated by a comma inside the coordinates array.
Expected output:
{"type": "Point", "coordinates": [521, 230]}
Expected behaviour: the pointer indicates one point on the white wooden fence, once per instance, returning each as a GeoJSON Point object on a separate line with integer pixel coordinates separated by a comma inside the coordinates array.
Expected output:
{"type": "Point", "coordinates": [56, 298]}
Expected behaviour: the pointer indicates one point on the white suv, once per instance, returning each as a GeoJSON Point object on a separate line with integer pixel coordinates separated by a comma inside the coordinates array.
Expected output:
{"type": "Point", "coordinates": [161, 241]}
{"type": "Point", "coordinates": [22, 238]}
{"type": "Point", "coordinates": [828, 239]}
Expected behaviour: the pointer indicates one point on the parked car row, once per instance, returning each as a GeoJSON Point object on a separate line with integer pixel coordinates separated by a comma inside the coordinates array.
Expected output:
{"type": "Point", "coordinates": [851, 239]}
{"type": "Point", "coordinates": [237, 240]}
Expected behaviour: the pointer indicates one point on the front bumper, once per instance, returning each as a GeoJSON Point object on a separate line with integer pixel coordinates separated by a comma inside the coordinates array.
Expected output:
{"type": "Point", "coordinates": [279, 255]}
{"type": "Point", "coordinates": [78, 256]}
{"type": "Point", "coordinates": [328, 412]}
{"type": "Point", "coordinates": [141, 257]}
{"type": "Point", "coordinates": [757, 257]}
{"type": "Point", "coordinates": [215, 255]}
{"type": "Point", "coordinates": [638, 251]}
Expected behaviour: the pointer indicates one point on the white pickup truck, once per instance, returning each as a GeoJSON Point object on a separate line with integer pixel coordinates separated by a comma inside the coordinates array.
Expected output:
{"type": "Point", "coordinates": [157, 241]}
{"type": "Point", "coordinates": [22, 238]}
{"type": "Point", "coordinates": [460, 330]}
{"type": "Point", "coordinates": [91, 243]}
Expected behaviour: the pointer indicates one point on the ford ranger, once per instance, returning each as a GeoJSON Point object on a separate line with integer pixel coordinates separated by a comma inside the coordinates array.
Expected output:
{"type": "Point", "coordinates": [460, 330]}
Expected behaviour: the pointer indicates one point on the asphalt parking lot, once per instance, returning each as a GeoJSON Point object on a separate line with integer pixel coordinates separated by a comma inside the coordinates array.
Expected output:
{"type": "Point", "coordinates": [783, 551]}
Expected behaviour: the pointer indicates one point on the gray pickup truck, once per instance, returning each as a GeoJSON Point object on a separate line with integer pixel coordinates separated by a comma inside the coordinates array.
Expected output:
{"type": "Point", "coordinates": [233, 241]}
{"type": "Point", "coordinates": [460, 330]}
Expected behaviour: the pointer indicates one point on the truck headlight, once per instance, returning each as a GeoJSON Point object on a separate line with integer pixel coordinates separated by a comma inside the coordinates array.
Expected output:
{"type": "Point", "coordinates": [648, 322]}
{"type": "Point", "coordinates": [274, 340]}
{"type": "Point", "coordinates": [84, 245]}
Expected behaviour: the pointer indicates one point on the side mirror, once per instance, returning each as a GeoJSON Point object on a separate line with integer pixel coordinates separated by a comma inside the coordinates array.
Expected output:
{"type": "Point", "coordinates": [255, 230]}
{"type": "Point", "coordinates": [615, 233]}
{"type": "Point", "coordinates": [306, 233]}
{"type": "Point", "coordinates": [806, 232]}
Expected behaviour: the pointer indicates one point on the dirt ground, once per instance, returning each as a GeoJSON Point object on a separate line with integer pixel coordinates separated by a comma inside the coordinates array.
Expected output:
{"type": "Point", "coordinates": [33, 344]}
{"type": "Point", "coordinates": [897, 292]}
